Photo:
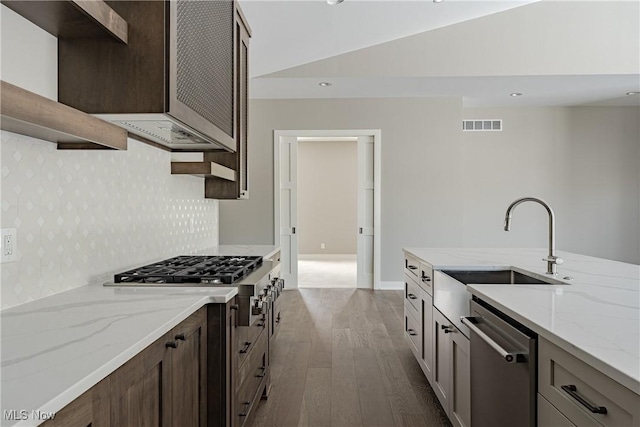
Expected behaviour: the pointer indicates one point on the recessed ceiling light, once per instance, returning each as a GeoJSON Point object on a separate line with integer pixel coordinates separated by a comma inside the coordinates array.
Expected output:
{"type": "Point", "coordinates": [437, 1]}
{"type": "Point", "coordinates": [324, 84]}
{"type": "Point", "coordinates": [516, 94]}
{"type": "Point", "coordinates": [332, 2]}
{"type": "Point", "coordinates": [633, 93]}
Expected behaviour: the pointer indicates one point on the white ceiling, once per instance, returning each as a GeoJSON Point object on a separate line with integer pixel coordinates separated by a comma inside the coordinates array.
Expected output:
{"type": "Point", "coordinates": [295, 32]}
{"type": "Point", "coordinates": [288, 34]}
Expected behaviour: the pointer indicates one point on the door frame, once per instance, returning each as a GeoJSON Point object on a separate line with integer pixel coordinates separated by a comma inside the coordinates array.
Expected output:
{"type": "Point", "coordinates": [377, 173]}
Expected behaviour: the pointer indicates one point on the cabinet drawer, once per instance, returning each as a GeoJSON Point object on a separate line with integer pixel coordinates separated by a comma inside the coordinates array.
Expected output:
{"type": "Point", "coordinates": [549, 416]}
{"type": "Point", "coordinates": [413, 332]}
{"type": "Point", "coordinates": [411, 265]}
{"type": "Point", "coordinates": [251, 376]}
{"type": "Point", "coordinates": [246, 337]}
{"type": "Point", "coordinates": [247, 371]}
{"type": "Point", "coordinates": [412, 293]}
{"type": "Point", "coordinates": [426, 278]}
{"type": "Point", "coordinates": [557, 368]}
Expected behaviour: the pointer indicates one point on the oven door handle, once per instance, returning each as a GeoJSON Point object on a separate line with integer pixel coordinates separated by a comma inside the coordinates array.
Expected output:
{"type": "Point", "coordinates": [508, 356]}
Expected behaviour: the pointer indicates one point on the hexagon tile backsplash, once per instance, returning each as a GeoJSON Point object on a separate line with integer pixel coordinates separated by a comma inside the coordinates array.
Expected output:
{"type": "Point", "coordinates": [82, 216]}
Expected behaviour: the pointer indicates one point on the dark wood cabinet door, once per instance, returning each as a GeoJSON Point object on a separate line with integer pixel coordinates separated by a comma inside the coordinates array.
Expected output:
{"type": "Point", "coordinates": [141, 388]}
{"type": "Point", "coordinates": [221, 348]}
{"type": "Point", "coordinates": [91, 409]}
{"type": "Point", "coordinates": [188, 372]}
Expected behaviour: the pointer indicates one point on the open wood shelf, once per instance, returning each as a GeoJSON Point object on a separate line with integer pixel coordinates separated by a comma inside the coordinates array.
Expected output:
{"type": "Point", "coordinates": [33, 115]}
{"type": "Point", "coordinates": [203, 170]}
{"type": "Point", "coordinates": [73, 18]}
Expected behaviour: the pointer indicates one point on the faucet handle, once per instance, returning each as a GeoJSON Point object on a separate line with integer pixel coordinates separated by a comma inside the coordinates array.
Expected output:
{"type": "Point", "coordinates": [553, 259]}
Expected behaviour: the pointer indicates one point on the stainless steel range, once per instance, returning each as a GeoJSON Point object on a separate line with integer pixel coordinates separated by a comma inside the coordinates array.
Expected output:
{"type": "Point", "coordinates": [257, 288]}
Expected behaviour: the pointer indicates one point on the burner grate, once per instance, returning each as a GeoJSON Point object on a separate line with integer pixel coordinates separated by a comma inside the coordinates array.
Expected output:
{"type": "Point", "coordinates": [192, 269]}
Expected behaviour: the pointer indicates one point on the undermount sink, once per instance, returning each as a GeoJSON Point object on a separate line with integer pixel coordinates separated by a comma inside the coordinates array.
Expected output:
{"type": "Point", "coordinates": [497, 277]}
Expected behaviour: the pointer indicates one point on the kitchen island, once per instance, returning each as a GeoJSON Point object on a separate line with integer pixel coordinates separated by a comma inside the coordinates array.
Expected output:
{"type": "Point", "coordinates": [591, 311]}
{"type": "Point", "coordinates": [57, 348]}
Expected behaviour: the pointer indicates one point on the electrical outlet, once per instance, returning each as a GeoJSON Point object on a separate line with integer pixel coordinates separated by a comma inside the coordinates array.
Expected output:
{"type": "Point", "coordinates": [9, 244]}
{"type": "Point", "coordinates": [321, 245]}
{"type": "Point", "coordinates": [192, 225]}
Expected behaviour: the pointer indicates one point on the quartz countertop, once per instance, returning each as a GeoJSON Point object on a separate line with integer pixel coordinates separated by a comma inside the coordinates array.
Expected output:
{"type": "Point", "coordinates": [595, 316]}
{"type": "Point", "coordinates": [56, 348]}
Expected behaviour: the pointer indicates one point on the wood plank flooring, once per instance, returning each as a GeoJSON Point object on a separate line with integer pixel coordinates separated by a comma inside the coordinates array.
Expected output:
{"type": "Point", "coordinates": [341, 360]}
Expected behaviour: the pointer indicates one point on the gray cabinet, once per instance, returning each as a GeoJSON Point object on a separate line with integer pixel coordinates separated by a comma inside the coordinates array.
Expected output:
{"type": "Point", "coordinates": [460, 380]}
{"type": "Point", "coordinates": [441, 359]}
{"type": "Point", "coordinates": [426, 361]}
{"type": "Point", "coordinates": [419, 313]}
{"type": "Point", "coordinates": [451, 370]}
{"type": "Point", "coordinates": [581, 393]}
{"type": "Point", "coordinates": [438, 345]}
{"type": "Point", "coordinates": [549, 416]}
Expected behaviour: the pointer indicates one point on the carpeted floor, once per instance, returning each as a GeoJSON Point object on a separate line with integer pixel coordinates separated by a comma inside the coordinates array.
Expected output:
{"type": "Point", "coordinates": [327, 271]}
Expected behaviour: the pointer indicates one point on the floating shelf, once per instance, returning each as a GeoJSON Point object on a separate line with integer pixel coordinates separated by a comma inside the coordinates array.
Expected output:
{"type": "Point", "coordinates": [73, 18]}
{"type": "Point", "coordinates": [33, 115]}
{"type": "Point", "coordinates": [203, 170]}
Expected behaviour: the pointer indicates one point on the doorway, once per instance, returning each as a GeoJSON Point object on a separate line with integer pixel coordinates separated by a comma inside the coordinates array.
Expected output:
{"type": "Point", "coordinates": [286, 196]}
{"type": "Point", "coordinates": [327, 212]}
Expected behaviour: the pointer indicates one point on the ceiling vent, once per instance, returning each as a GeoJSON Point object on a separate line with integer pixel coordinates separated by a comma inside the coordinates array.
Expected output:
{"type": "Point", "coordinates": [482, 125]}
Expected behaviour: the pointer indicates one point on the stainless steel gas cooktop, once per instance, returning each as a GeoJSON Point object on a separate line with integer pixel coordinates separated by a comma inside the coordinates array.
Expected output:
{"type": "Point", "coordinates": [190, 270]}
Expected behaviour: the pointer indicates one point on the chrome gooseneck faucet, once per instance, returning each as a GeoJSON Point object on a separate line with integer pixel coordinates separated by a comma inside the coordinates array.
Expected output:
{"type": "Point", "coordinates": [552, 259]}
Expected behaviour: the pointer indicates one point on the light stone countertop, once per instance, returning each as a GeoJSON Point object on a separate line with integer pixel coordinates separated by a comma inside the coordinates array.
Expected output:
{"type": "Point", "coordinates": [56, 348]}
{"type": "Point", "coordinates": [264, 251]}
{"type": "Point", "coordinates": [595, 316]}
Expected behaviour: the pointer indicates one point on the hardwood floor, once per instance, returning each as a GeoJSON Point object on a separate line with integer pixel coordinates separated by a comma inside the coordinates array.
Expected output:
{"type": "Point", "coordinates": [341, 359]}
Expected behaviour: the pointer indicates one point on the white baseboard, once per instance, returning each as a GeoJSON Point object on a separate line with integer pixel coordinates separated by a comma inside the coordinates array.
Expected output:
{"type": "Point", "coordinates": [391, 286]}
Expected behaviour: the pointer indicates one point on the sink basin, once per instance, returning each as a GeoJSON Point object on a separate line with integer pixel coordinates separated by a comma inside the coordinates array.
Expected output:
{"type": "Point", "coordinates": [499, 277]}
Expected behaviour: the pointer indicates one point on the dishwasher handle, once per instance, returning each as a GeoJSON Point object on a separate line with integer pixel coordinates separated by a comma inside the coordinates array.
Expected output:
{"type": "Point", "coordinates": [509, 356]}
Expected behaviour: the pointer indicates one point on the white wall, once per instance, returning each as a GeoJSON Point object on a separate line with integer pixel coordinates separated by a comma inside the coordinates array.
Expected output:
{"type": "Point", "coordinates": [421, 179]}
{"type": "Point", "coordinates": [82, 216]}
{"type": "Point", "coordinates": [327, 197]}
{"type": "Point", "coordinates": [29, 55]}
{"type": "Point", "coordinates": [445, 188]}
{"type": "Point", "coordinates": [584, 161]}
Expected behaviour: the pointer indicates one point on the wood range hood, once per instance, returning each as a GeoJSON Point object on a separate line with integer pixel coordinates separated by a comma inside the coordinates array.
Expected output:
{"type": "Point", "coordinates": [172, 83]}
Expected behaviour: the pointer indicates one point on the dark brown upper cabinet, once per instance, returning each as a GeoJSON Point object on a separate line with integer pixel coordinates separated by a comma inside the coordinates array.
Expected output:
{"type": "Point", "coordinates": [173, 84]}
{"type": "Point", "coordinates": [216, 187]}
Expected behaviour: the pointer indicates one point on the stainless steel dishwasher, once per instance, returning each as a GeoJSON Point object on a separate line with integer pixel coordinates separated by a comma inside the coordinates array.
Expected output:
{"type": "Point", "coordinates": [503, 369]}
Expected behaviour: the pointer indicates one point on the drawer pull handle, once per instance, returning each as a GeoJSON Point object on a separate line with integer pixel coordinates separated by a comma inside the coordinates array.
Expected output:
{"type": "Point", "coordinates": [572, 390]}
{"type": "Point", "coordinates": [264, 372]}
{"type": "Point", "coordinates": [261, 324]}
{"type": "Point", "coordinates": [412, 296]}
{"type": "Point", "coordinates": [171, 344]}
{"type": "Point", "coordinates": [426, 279]}
{"type": "Point", "coordinates": [244, 414]}
{"type": "Point", "coordinates": [246, 347]}
{"type": "Point", "coordinates": [180, 337]}
{"type": "Point", "coordinates": [234, 307]}
{"type": "Point", "coordinates": [447, 328]}
{"type": "Point", "coordinates": [411, 332]}
{"type": "Point", "coordinates": [412, 267]}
